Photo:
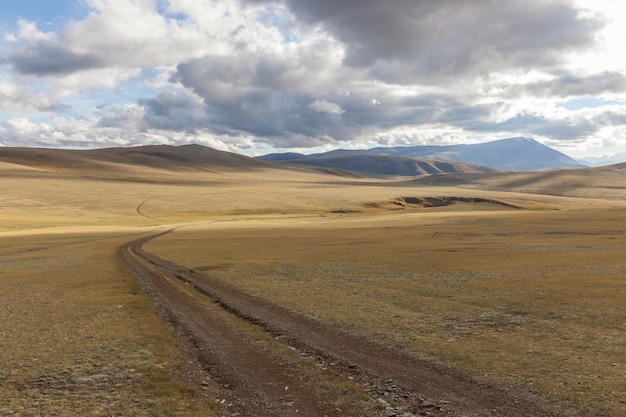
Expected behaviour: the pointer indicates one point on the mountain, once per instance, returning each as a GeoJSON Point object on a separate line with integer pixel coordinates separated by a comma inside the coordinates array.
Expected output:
{"type": "Point", "coordinates": [379, 165]}
{"type": "Point", "coordinates": [514, 154]}
{"type": "Point", "coordinates": [509, 154]}
{"type": "Point", "coordinates": [617, 158]}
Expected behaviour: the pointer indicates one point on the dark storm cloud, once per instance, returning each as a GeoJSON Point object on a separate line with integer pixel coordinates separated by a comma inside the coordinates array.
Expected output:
{"type": "Point", "coordinates": [408, 41]}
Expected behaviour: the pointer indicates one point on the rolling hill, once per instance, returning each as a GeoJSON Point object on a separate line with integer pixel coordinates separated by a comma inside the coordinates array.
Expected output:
{"type": "Point", "coordinates": [517, 154]}
{"type": "Point", "coordinates": [163, 163]}
{"type": "Point", "coordinates": [112, 162]}
{"type": "Point", "coordinates": [605, 182]}
{"type": "Point", "coordinates": [162, 157]}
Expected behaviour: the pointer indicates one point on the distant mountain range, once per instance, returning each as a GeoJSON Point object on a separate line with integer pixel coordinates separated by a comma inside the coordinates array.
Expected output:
{"type": "Point", "coordinates": [514, 154]}
{"type": "Point", "coordinates": [378, 164]}
{"type": "Point", "coordinates": [604, 160]}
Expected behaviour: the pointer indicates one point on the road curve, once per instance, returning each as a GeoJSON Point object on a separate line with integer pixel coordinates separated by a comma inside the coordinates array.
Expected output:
{"type": "Point", "coordinates": [404, 385]}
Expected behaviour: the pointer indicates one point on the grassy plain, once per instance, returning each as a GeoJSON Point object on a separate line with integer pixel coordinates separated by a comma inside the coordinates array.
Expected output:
{"type": "Point", "coordinates": [530, 298]}
{"type": "Point", "coordinates": [520, 299]}
{"type": "Point", "coordinates": [77, 335]}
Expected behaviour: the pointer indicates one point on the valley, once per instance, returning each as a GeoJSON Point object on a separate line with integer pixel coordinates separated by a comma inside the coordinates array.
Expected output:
{"type": "Point", "coordinates": [488, 294]}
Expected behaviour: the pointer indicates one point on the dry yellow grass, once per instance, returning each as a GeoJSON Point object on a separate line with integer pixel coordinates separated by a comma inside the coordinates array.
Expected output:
{"type": "Point", "coordinates": [530, 298]}
{"type": "Point", "coordinates": [519, 298]}
{"type": "Point", "coordinates": [31, 198]}
{"type": "Point", "coordinates": [77, 336]}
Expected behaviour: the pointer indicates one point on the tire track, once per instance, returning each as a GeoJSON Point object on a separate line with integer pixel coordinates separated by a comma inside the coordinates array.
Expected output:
{"type": "Point", "coordinates": [138, 209]}
{"type": "Point", "coordinates": [257, 379]}
{"type": "Point", "coordinates": [404, 385]}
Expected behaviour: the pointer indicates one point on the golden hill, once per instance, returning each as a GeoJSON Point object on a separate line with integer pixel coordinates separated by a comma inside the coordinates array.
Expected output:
{"type": "Point", "coordinates": [607, 182]}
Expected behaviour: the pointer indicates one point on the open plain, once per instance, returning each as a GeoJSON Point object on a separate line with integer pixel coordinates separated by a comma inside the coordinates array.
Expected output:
{"type": "Point", "coordinates": [490, 294]}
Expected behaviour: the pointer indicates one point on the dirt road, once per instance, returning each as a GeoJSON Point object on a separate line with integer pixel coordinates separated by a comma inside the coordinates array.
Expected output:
{"type": "Point", "coordinates": [230, 329]}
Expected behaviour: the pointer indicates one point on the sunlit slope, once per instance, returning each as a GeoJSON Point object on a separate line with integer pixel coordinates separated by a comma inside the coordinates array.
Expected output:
{"type": "Point", "coordinates": [162, 157]}
{"type": "Point", "coordinates": [45, 188]}
{"type": "Point", "coordinates": [607, 182]}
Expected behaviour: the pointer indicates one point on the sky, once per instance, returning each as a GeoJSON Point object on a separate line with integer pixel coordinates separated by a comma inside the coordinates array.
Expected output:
{"type": "Point", "coordinates": [262, 76]}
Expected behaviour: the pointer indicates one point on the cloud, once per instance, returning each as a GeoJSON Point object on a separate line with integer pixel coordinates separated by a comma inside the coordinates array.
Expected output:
{"type": "Point", "coordinates": [19, 98]}
{"type": "Point", "coordinates": [412, 41]}
{"type": "Point", "coordinates": [566, 126]}
{"type": "Point", "coordinates": [244, 74]}
{"type": "Point", "coordinates": [295, 92]}
{"type": "Point", "coordinates": [49, 58]}
{"type": "Point", "coordinates": [81, 133]}
{"type": "Point", "coordinates": [268, 95]}
{"type": "Point", "coordinates": [171, 110]}
{"type": "Point", "coordinates": [323, 106]}
{"type": "Point", "coordinates": [122, 33]}
{"type": "Point", "coordinates": [571, 85]}
{"type": "Point", "coordinates": [239, 99]}
{"type": "Point", "coordinates": [137, 34]}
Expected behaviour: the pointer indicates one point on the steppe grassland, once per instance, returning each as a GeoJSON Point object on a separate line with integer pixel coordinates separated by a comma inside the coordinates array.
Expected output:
{"type": "Point", "coordinates": [78, 337]}
{"type": "Point", "coordinates": [32, 198]}
{"type": "Point", "coordinates": [521, 299]}
{"type": "Point", "coordinates": [62, 281]}
{"type": "Point", "coordinates": [76, 334]}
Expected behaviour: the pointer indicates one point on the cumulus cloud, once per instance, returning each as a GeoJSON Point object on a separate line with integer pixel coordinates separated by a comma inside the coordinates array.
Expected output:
{"type": "Point", "coordinates": [268, 96]}
{"type": "Point", "coordinates": [410, 41]}
{"type": "Point", "coordinates": [50, 58]}
{"type": "Point", "coordinates": [74, 50]}
{"type": "Point", "coordinates": [134, 33]}
{"type": "Point", "coordinates": [20, 98]}
{"type": "Point", "coordinates": [323, 106]}
{"type": "Point", "coordinates": [536, 124]}
{"type": "Point", "coordinates": [244, 74]}
{"type": "Point", "coordinates": [81, 133]}
{"type": "Point", "coordinates": [176, 110]}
